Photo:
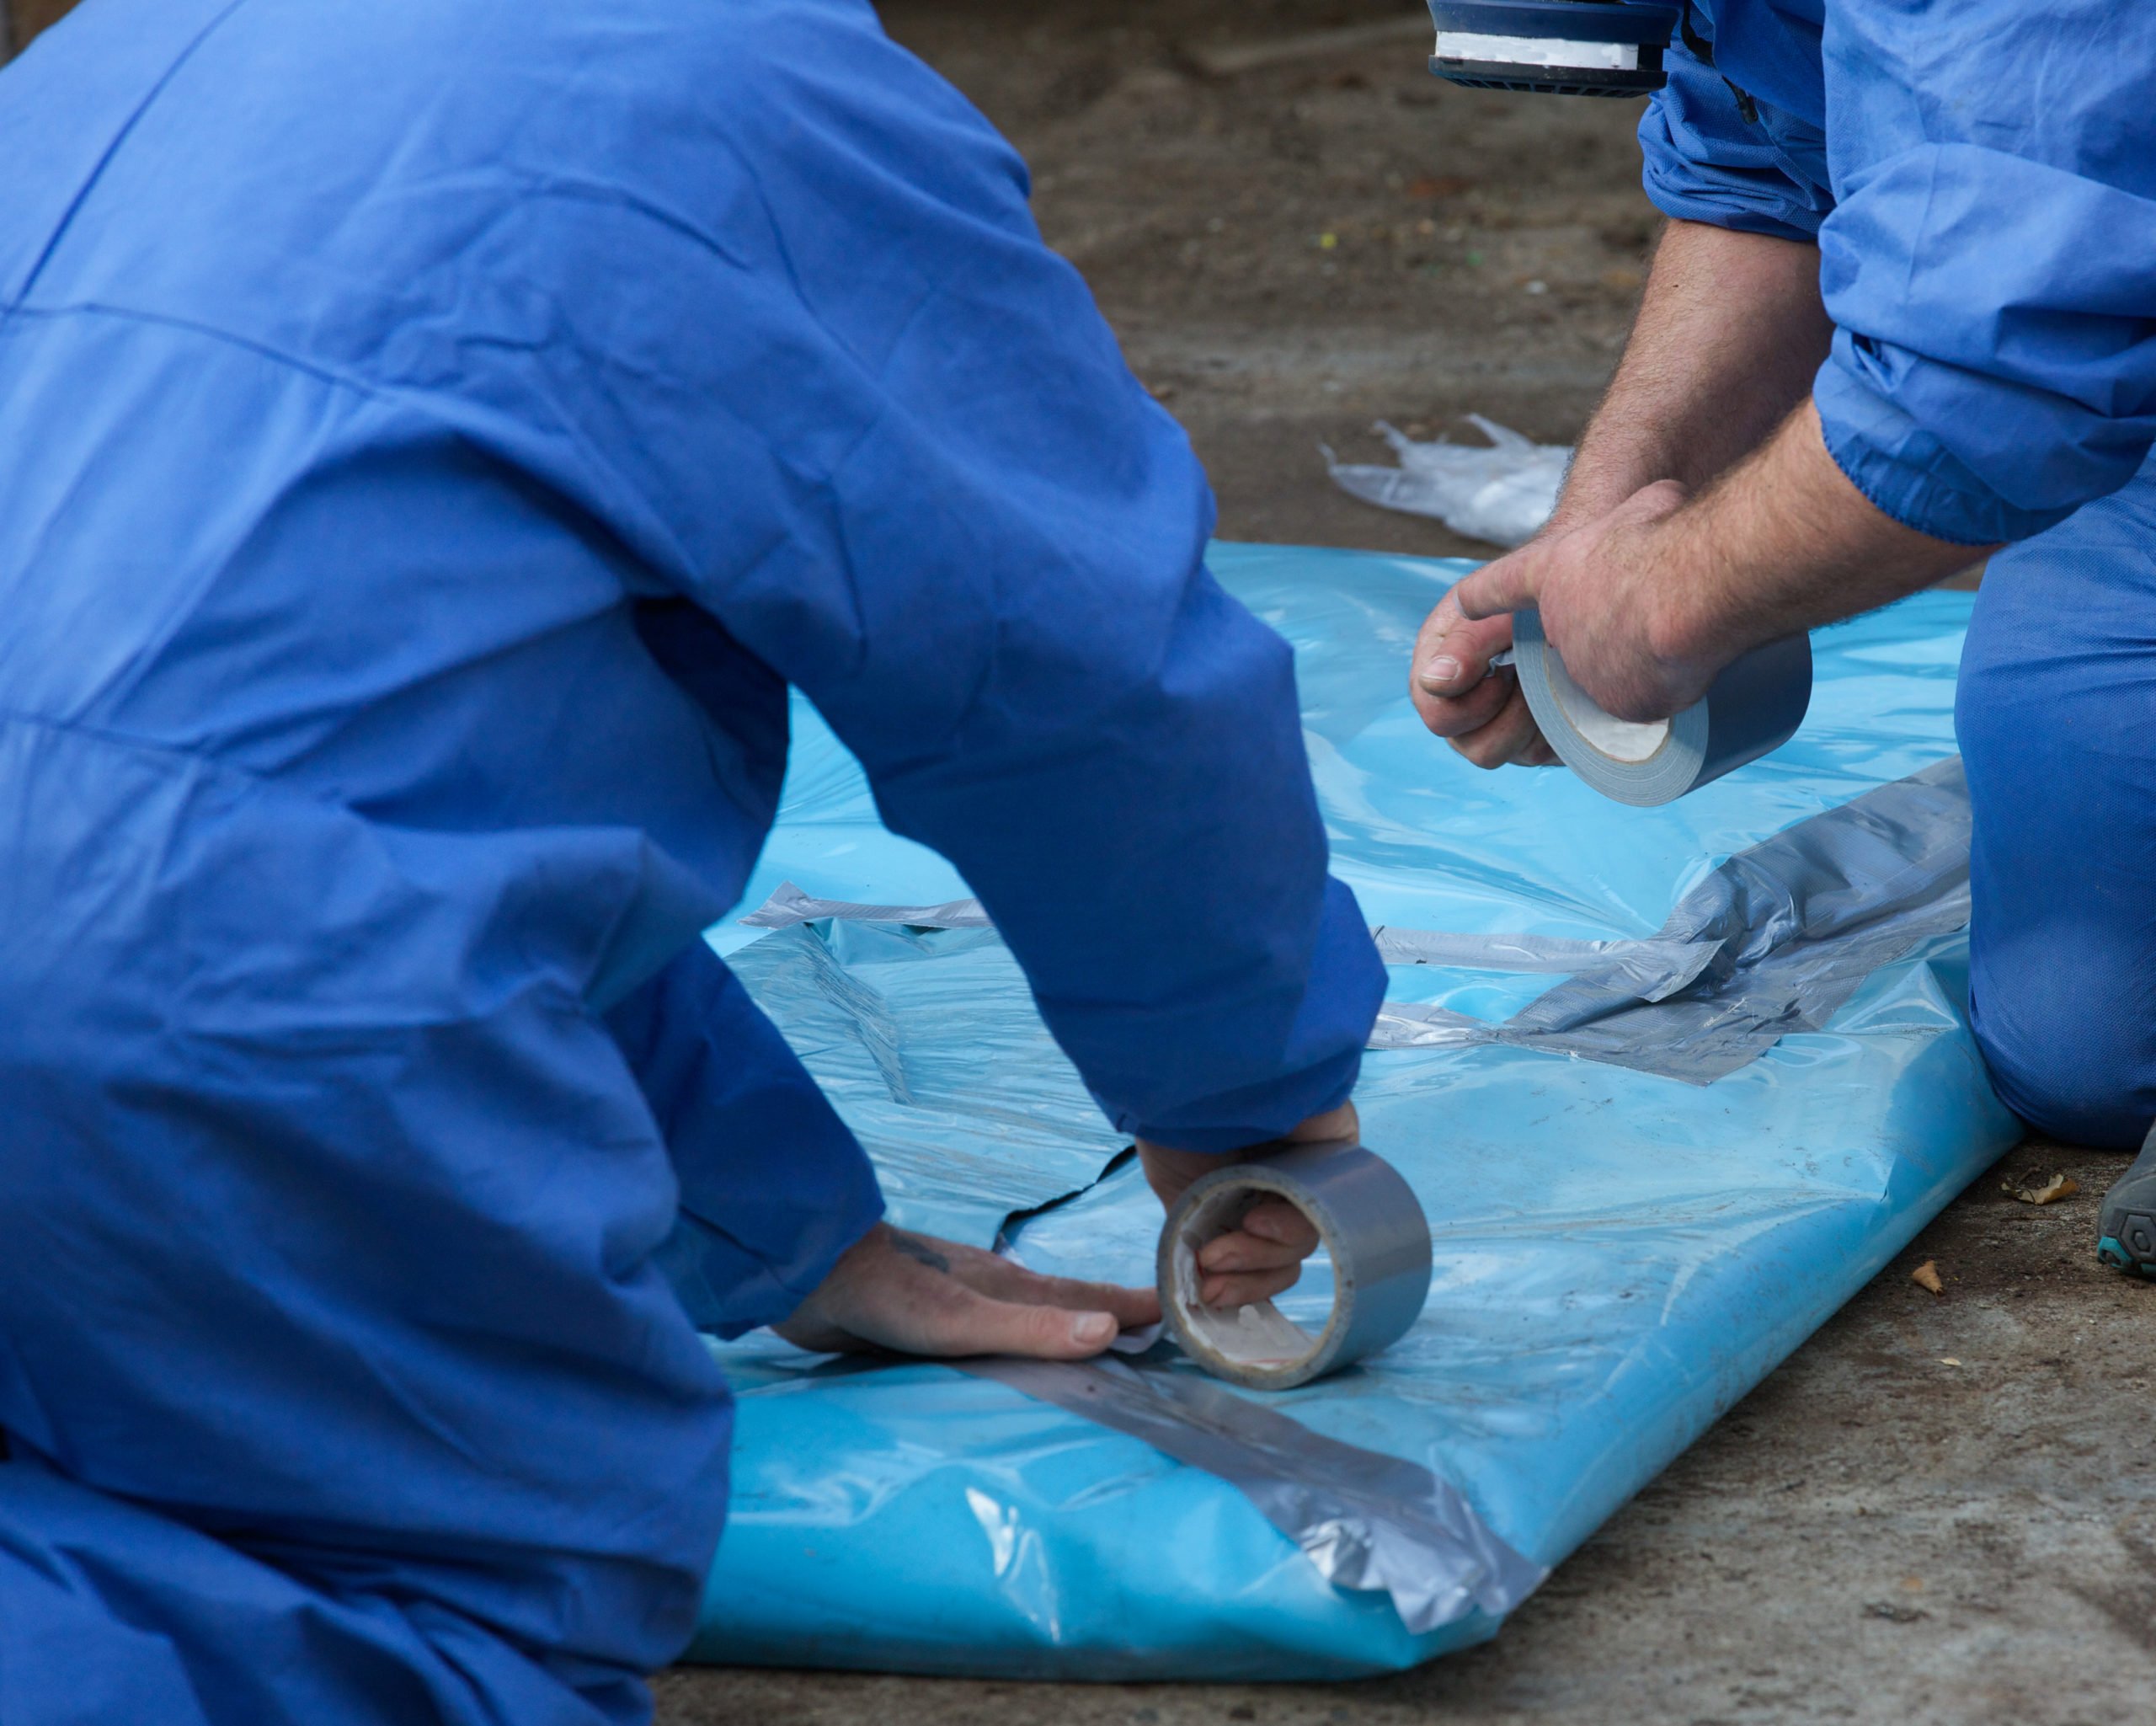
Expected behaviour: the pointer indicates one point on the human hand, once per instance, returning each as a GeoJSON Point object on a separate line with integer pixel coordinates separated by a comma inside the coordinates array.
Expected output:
{"type": "Point", "coordinates": [1484, 716]}
{"type": "Point", "coordinates": [1614, 594]}
{"type": "Point", "coordinates": [917, 1295]}
{"type": "Point", "coordinates": [1265, 1254]}
{"type": "Point", "coordinates": [1648, 599]}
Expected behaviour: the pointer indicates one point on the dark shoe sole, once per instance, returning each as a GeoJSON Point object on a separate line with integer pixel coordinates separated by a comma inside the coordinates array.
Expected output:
{"type": "Point", "coordinates": [2126, 1226]}
{"type": "Point", "coordinates": [2133, 1247]}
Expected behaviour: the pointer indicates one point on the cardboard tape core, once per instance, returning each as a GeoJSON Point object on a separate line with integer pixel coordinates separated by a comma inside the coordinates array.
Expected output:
{"type": "Point", "coordinates": [1259, 1336]}
{"type": "Point", "coordinates": [1628, 740]}
{"type": "Point", "coordinates": [1755, 705]}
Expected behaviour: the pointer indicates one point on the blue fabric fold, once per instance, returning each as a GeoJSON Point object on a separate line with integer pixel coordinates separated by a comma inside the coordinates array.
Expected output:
{"type": "Point", "coordinates": [442, 441]}
{"type": "Point", "coordinates": [1982, 184]}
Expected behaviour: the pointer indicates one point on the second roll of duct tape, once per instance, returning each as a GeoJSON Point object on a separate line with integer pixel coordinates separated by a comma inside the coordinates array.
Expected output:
{"type": "Point", "coordinates": [1372, 1227]}
{"type": "Point", "coordinates": [1753, 706]}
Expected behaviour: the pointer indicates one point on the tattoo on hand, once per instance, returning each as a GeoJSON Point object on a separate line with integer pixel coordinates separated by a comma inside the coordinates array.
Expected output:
{"type": "Point", "coordinates": [920, 1252]}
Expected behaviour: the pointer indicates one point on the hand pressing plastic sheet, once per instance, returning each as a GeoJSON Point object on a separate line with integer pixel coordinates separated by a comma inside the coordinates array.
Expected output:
{"type": "Point", "coordinates": [1620, 1254]}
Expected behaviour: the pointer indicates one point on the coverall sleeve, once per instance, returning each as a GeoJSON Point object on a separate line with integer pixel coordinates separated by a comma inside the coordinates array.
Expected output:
{"type": "Point", "coordinates": [1704, 162]}
{"type": "Point", "coordinates": [892, 447]}
{"type": "Point", "coordinates": [774, 1185]}
{"type": "Point", "coordinates": [1991, 266]}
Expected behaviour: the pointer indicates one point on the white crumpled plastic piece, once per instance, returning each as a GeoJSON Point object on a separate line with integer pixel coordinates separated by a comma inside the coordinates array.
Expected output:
{"type": "Point", "coordinates": [1502, 492]}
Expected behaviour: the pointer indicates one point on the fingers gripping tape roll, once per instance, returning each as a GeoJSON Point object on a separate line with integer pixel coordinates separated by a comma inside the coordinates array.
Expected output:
{"type": "Point", "coordinates": [1371, 1225]}
{"type": "Point", "coordinates": [1754, 706]}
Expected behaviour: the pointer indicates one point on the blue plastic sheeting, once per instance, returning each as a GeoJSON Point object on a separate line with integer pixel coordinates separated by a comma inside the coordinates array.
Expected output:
{"type": "Point", "coordinates": [942, 1070]}
{"type": "Point", "coordinates": [1620, 1255]}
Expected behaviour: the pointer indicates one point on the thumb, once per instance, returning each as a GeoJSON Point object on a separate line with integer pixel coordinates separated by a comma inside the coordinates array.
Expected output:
{"type": "Point", "coordinates": [1452, 658]}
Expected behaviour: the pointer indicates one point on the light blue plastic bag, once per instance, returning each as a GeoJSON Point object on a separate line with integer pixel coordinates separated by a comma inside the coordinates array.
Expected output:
{"type": "Point", "coordinates": [1620, 1255]}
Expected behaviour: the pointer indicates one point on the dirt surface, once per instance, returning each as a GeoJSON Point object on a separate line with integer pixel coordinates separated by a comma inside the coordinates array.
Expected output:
{"type": "Point", "coordinates": [1873, 1535]}
{"type": "Point", "coordinates": [29, 17]}
{"type": "Point", "coordinates": [1292, 252]}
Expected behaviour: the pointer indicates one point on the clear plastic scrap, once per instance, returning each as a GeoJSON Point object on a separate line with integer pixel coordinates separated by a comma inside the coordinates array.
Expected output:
{"type": "Point", "coordinates": [1503, 492]}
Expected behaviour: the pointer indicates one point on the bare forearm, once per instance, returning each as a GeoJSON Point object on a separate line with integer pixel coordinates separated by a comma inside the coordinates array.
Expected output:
{"type": "Point", "coordinates": [1729, 335]}
{"type": "Point", "coordinates": [1691, 527]}
{"type": "Point", "coordinates": [1649, 601]}
{"type": "Point", "coordinates": [1782, 542]}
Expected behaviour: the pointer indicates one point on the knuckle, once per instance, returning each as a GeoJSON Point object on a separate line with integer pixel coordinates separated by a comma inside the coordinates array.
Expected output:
{"type": "Point", "coordinates": [1047, 1327]}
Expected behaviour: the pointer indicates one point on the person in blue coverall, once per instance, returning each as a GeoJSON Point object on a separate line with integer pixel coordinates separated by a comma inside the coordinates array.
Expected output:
{"type": "Point", "coordinates": [1904, 313]}
{"type": "Point", "coordinates": [434, 435]}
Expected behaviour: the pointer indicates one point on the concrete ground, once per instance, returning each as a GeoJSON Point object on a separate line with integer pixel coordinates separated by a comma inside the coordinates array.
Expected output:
{"type": "Point", "coordinates": [1875, 1534]}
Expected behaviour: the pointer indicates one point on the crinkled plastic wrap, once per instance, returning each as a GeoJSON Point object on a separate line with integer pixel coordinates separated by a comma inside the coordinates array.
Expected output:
{"type": "Point", "coordinates": [1502, 491]}
{"type": "Point", "coordinates": [1670, 1083]}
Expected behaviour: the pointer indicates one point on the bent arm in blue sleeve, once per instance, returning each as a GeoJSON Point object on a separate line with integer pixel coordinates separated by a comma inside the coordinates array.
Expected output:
{"type": "Point", "coordinates": [1703, 161]}
{"type": "Point", "coordinates": [1992, 264]}
{"type": "Point", "coordinates": [774, 1186]}
{"type": "Point", "coordinates": [899, 456]}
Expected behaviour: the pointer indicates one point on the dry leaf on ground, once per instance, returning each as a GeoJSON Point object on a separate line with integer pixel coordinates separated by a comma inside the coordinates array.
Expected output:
{"type": "Point", "coordinates": [2031, 1191]}
{"type": "Point", "coordinates": [1926, 1276]}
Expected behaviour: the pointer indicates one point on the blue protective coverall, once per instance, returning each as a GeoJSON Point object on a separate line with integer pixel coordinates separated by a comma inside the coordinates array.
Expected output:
{"type": "Point", "coordinates": [1981, 181]}
{"type": "Point", "coordinates": [432, 436]}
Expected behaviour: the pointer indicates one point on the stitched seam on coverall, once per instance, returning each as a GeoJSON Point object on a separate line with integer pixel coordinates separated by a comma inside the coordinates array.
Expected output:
{"type": "Point", "coordinates": [422, 402]}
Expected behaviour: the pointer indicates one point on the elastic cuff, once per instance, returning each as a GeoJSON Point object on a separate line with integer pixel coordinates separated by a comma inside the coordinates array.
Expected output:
{"type": "Point", "coordinates": [1322, 1052]}
{"type": "Point", "coordinates": [729, 1288]}
{"type": "Point", "coordinates": [1281, 1108]}
{"type": "Point", "coordinates": [1907, 474]}
{"type": "Point", "coordinates": [1724, 211]}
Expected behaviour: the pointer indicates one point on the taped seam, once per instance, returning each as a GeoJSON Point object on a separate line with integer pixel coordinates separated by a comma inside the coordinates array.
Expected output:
{"type": "Point", "coordinates": [1369, 1522]}
{"type": "Point", "coordinates": [790, 905]}
{"type": "Point", "coordinates": [1772, 941]}
{"type": "Point", "coordinates": [1835, 898]}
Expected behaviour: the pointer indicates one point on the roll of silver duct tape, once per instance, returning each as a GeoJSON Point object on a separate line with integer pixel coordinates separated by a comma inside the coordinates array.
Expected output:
{"type": "Point", "coordinates": [1753, 706]}
{"type": "Point", "coordinates": [1373, 1228]}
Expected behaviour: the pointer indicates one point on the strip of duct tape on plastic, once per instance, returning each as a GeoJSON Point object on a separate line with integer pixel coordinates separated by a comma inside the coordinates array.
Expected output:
{"type": "Point", "coordinates": [1753, 709]}
{"type": "Point", "coordinates": [1373, 1227]}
